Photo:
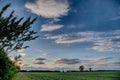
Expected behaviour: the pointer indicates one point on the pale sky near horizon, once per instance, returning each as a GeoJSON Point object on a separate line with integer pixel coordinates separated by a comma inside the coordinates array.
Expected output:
{"type": "Point", "coordinates": [71, 33]}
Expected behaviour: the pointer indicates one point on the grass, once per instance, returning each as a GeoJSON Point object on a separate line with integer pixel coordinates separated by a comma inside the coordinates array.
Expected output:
{"type": "Point", "coordinates": [21, 76]}
{"type": "Point", "coordinates": [68, 76]}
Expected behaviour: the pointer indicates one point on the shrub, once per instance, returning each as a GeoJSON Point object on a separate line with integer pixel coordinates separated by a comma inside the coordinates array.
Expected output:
{"type": "Point", "coordinates": [7, 67]}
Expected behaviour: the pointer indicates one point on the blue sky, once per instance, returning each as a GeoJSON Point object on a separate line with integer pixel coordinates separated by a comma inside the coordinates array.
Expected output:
{"type": "Point", "coordinates": [71, 33]}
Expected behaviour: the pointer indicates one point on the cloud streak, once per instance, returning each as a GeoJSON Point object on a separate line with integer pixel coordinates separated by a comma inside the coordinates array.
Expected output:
{"type": "Point", "coordinates": [49, 27]}
{"type": "Point", "coordinates": [40, 61]}
{"type": "Point", "coordinates": [106, 58]}
{"type": "Point", "coordinates": [97, 62]}
{"type": "Point", "coordinates": [67, 61]}
{"type": "Point", "coordinates": [116, 63]}
{"type": "Point", "coordinates": [116, 18]}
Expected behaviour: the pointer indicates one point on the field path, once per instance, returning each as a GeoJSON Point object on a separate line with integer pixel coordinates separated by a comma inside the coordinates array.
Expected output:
{"type": "Point", "coordinates": [21, 76]}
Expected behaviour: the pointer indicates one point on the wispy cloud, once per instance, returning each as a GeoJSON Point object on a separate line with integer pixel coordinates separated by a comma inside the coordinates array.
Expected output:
{"type": "Point", "coordinates": [21, 52]}
{"type": "Point", "coordinates": [49, 8]}
{"type": "Point", "coordinates": [116, 18]}
{"type": "Point", "coordinates": [71, 38]}
{"type": "Point", "coordinates": [49, 27]}
{"type": "Point", "coordinates": [40, 61]}
{"type": "Point", "coordinates": [25, 65]}
{"type": "Point", "coordinates": [107, 45]}
{"type": "Point", "coordinates": [44, 53]}
{"type": "Point", "coordinates": [116, 63]}
{"type": "Point", "coordinates": [106, 58]}
{"type": "Point", "coordinates": [97, 63]}
{"type": "Point", "coordinates": [102, 41]}
{"type": "Point", "coordinates": [72, 26]}
{"type": "Point", "coordinates": [67, 61]}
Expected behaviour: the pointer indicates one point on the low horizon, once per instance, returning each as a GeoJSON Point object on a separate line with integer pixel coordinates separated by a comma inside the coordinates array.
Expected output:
{"type": "Point", "coordinates": [71, 33]}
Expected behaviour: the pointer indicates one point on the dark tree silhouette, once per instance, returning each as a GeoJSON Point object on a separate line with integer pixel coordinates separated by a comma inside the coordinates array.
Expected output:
{"type": "Point", "coordinates": [81, 68]}
{"type": "Point", "coordinates": [90, 69]}
{"type": "Point", "coordinates": [14, 32]}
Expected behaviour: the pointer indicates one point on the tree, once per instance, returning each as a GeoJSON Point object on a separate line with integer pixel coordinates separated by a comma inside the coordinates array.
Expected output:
{"type": "Point", "coordinates": [90, 69]}
{"type": "Point", "coordinates": [81, 68]}
{"type": "Point", "coordinates": [14, 32]}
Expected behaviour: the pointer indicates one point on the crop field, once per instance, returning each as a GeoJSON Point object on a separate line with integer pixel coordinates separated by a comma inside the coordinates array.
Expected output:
{"type": "Point", "coordinates": [67, 76]}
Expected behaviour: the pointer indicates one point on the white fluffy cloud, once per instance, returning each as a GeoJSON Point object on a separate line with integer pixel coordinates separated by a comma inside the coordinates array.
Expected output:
{"type": "Point", "coordinates": [102, 41]}
{"type": "Point", "coordinates": [49, 8]}
{"type": "Point", "coordinates": [49, 28]}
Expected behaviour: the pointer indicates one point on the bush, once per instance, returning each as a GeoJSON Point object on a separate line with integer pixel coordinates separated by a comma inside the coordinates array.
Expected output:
{"type": "Point", "coordinates": [7, 67]}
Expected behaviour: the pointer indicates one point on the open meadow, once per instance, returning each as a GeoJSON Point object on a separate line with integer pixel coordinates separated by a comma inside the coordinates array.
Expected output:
{"type": "Point", "coordinates": [67, 76]}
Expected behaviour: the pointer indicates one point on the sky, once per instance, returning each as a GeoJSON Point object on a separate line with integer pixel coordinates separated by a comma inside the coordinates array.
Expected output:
{"type": "Point", "coordinates": [71, 33]}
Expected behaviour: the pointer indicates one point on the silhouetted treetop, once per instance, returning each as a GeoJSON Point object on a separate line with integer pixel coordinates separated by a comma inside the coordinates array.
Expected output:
{"type": "Point", "coordinates": [14, 32]}
{"type": "Point", "coordinates": [81, 68]}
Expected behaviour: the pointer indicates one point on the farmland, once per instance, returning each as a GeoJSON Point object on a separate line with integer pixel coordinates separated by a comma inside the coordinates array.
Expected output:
{"type": "Point", "coordinates": [67, 76]}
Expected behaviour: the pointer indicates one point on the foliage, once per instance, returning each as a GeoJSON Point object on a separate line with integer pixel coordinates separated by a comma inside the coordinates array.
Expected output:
{"type": "Point", "coordinates": [7, 67]}
{"type": "Point", "coordinates": [14, 32]}
{"type": "Point", "coordinates": [81, 68]}
{"type": "Point", "coordinates": [16, 62]}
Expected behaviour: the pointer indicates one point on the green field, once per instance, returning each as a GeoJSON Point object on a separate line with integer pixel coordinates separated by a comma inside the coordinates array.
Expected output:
{"type": "Point", "coordinates": [68, 76]}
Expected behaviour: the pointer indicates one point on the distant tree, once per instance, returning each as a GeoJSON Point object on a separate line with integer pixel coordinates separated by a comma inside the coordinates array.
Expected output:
{"type": "Point", "coordinates": [14, 32]}
{"type": "Point", "coordinates": [81, 68]}
{"type": "Point", "coordinates": [90, 69]}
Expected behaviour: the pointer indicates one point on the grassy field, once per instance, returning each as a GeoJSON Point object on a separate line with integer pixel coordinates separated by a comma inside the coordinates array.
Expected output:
{"type": "Point", "coordinates": [68, 76]}
{"type": "Point", "coordinates": [21, 76]}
